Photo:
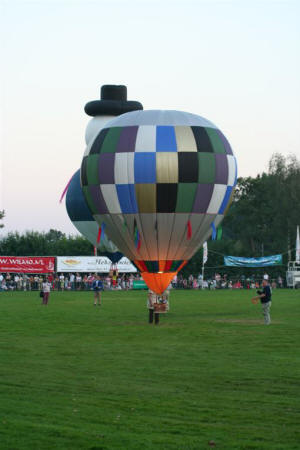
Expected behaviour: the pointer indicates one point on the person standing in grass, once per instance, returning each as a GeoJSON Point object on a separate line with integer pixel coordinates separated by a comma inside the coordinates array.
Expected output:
{"type": "Point", "coordinates": [97, 288]}
{"type": "Point", "coordinates": [266, 300]}
{"type": "Point", "coordinates": [157, 304]}
{"type": "Point", "coordinates": [46, 286]}
{"type": "Point", "coordinates": [72, 281]}
{"type": "Point", "coordinates": [61, 282]}
{"type": "Point", "coordinates": [151, 300]}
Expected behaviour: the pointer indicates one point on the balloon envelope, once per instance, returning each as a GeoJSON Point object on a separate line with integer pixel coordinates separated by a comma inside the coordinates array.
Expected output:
{"type": "Point", "coordinates": [83, 220]}
{"type": "Point", "coordinates": [159, 180]}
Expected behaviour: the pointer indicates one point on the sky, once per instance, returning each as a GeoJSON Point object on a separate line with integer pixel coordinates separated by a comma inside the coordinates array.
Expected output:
{"type": "Point", "coordinates": [236, 63]}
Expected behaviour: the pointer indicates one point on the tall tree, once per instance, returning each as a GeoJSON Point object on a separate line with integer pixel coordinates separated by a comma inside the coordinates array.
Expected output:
{"type": "Point", "coordinates": [1, 217]}
{"type": "Point", "coordinates": [262, 218]}
{"type": "Point", "coordinates": [264, 210]}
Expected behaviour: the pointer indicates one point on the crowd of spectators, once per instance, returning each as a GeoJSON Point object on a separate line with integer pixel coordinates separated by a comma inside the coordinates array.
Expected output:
{"type": "Point", "coordinates": [223, 281]}
{"type": "Point", "coordinates": [113, 280]}
{"type": "Point", "coordinates": [65, 282]}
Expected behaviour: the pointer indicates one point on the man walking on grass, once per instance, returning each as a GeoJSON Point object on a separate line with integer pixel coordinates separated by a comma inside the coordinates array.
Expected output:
{"type": "Point", "coordinates": [97, 288]}
{"type": "Point", "coordinates": [266, 300]}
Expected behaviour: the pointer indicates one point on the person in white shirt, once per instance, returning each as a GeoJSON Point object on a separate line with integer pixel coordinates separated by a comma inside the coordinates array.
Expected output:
{"type": "Point", "coordinates": [72, 281]}
{"type": "Point", "coordinates": [66, 282]}
{"type": "Point", "coordinates": [151, 300]}
{"type": "Point", "coordinates": [46, 286]}
{"type": "Point", "coordinates": [78, 281]}
{"type": "Point", "coordinates": [36, 282]}
{"type": "Point", "coordinates": [157, 304]}
{"type": "Point", "coordinates": [17, 280]}
{"type": "Point", "coordinates": [61, 282]}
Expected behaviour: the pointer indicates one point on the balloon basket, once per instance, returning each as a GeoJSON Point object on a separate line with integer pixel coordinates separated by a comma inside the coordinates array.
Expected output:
{"type": "Point", "coordinates": [160, 307]}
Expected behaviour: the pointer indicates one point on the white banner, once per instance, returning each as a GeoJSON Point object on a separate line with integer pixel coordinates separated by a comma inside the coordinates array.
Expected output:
{"type": "Point", "coordinates": [205, 253]}
{"type": "Point", "coordinates": [91, 264]}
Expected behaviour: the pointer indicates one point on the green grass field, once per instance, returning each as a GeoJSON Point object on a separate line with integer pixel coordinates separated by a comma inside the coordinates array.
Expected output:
{"type": "Point", "coordinates": [75, 376]}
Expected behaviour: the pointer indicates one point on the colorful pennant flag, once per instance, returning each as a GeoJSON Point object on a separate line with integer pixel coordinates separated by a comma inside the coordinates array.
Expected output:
{"type": "Point", "coordinates": [99, 235]}
{"type": "Point", "coordinates": [189, 231]}
{"type": "Point", "coordinates": [137, 238]}
{"type": "Point", "coordinates": [101, 232]}
{"type": "Point", "coordinates": [214, 232]}
{"type": "Point", "coordinates": [65, 190]}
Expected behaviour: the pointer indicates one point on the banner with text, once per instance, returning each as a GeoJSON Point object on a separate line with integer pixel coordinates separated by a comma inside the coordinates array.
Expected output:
{"type": "Point", "coordinates": [264, 261]}
{"type": "Point", "coordinates": [26, 264]}
{"type": "Point", "coordinates": [92, 264]}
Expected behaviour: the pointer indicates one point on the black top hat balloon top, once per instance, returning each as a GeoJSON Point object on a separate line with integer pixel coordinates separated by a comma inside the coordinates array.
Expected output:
{"type": "Point", "coordinates": [113, 102]}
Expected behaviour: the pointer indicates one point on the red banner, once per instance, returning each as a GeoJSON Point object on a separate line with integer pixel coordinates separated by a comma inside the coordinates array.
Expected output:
{"type": "Point", "coordinates": [26, 264]}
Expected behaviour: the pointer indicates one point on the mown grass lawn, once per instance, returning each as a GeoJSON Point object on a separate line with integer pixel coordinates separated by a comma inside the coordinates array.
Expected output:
{"type": "Point", "coordinates": [75, 376]}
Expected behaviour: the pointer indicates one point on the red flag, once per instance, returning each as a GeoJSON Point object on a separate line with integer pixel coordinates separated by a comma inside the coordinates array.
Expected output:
{"type": "Point", "coordinates": [189, 231]}
{"type": "Point", "coordinates": [99, 235]}
{"type": "Point", "coordinates": [65, 190]}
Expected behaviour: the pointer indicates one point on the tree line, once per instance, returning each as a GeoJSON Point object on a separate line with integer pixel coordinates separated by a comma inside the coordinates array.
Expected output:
{"type": "Point", "coordinates": [261, 221]}
{"type": "Point", "coordinates": [51, 243]}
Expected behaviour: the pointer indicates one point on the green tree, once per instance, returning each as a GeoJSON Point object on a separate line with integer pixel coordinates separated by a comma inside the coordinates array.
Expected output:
{"type": "Point", "coordinates": [262, 219]}
{"type": "Point", "coordinates": [264, 211]}
{"type": "Point", "coordinates": [52, 243]}
{"type": "Point", "coordinates": [2, 214]}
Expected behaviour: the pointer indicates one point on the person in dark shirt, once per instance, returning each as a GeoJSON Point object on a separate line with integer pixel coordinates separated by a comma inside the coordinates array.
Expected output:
{"type": "Point", "coordinates": [266, 300]}
{"type": "Point", "coordinates": [97, 288]}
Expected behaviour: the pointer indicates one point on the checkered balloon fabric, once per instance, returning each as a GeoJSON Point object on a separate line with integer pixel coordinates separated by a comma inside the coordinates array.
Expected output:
{"type": "Point", "coordinates": [157, 172]}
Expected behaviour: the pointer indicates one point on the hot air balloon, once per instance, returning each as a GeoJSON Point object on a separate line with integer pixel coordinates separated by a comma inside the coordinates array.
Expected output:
{"type": "Point", "coordinates": [160, 181]}
{"type": "Point", "coordinates": [83, 220]}
{"type": "Point", "coordinates": [112, 103]}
